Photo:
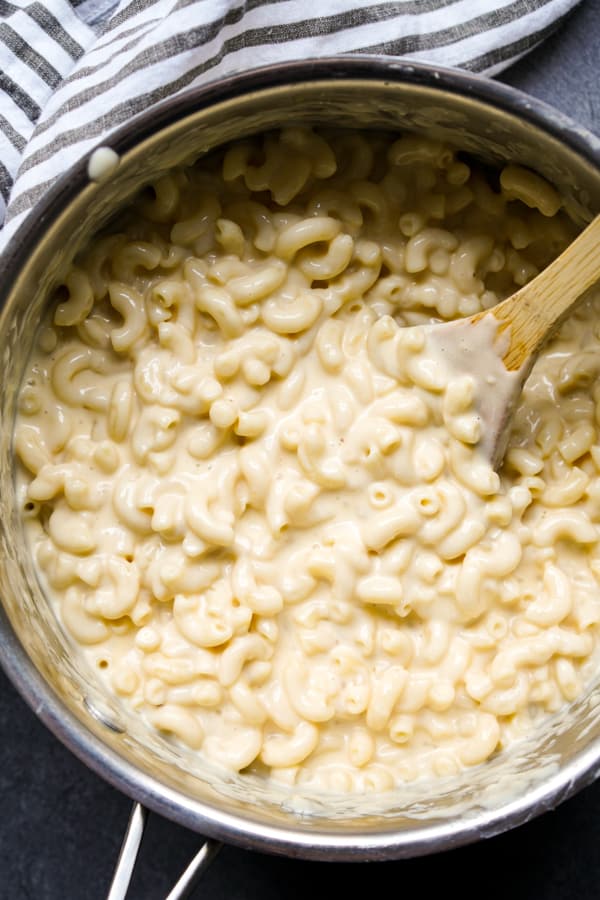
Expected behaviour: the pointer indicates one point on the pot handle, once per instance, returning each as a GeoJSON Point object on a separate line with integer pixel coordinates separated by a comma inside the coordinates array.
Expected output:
{"type": "Point", "coordinates": [129, 854]}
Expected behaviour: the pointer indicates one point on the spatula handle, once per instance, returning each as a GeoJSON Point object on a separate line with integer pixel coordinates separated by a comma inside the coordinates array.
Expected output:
{"type": "Point", "coordinates": [534, 311]}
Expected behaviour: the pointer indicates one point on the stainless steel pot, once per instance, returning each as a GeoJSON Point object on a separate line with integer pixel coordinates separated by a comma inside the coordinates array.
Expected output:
{"type": "Point", "coordinates": [486, 118]}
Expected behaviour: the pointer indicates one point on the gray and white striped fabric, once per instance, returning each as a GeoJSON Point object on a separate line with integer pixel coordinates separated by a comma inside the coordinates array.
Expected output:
{"type": "Point", "coordinates": [70, 72]}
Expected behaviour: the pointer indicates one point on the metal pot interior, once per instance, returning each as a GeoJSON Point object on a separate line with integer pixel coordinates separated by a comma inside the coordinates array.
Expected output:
{"type": "Point", "coordinates": [488, 120]}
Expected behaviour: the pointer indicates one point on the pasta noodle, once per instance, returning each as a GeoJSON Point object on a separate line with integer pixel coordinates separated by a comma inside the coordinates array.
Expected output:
{"type": "Point", "coordinates": [256, 499]}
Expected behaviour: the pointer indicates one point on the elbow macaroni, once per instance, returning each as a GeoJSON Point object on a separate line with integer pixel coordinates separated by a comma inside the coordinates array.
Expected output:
{"type": "Point", "coordinates": [255, 498]}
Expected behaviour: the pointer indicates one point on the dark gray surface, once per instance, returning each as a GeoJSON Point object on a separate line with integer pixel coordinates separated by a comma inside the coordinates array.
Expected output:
{"type": "Point", "coordinates": [61, 827]}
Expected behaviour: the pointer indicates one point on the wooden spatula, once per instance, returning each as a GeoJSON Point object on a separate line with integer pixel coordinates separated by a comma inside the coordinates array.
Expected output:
{"type": "Point", "coordinates": [499, 346]}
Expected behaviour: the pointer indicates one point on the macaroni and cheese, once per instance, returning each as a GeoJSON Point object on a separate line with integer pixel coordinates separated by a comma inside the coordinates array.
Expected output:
{"type": "Point", "coordinates": [256, 499]}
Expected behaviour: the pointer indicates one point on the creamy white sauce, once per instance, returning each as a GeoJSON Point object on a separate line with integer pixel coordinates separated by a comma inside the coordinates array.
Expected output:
{"type": "Point", "coordinates": [477, 349]}
{"type": "Point", "coordinates": [102, 163]}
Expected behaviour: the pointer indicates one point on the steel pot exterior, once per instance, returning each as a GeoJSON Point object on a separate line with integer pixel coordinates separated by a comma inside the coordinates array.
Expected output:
{"type": "Point", "coordinates": [486, 119]}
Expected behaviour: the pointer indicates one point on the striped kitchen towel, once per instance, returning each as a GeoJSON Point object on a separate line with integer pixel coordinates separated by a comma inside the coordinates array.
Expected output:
{"type": "Point", "coordinates": [70, 72]}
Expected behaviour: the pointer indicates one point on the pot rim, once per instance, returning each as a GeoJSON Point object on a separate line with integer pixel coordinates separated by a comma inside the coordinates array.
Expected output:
{"type": "Point", "coordinates": [316, 844]}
